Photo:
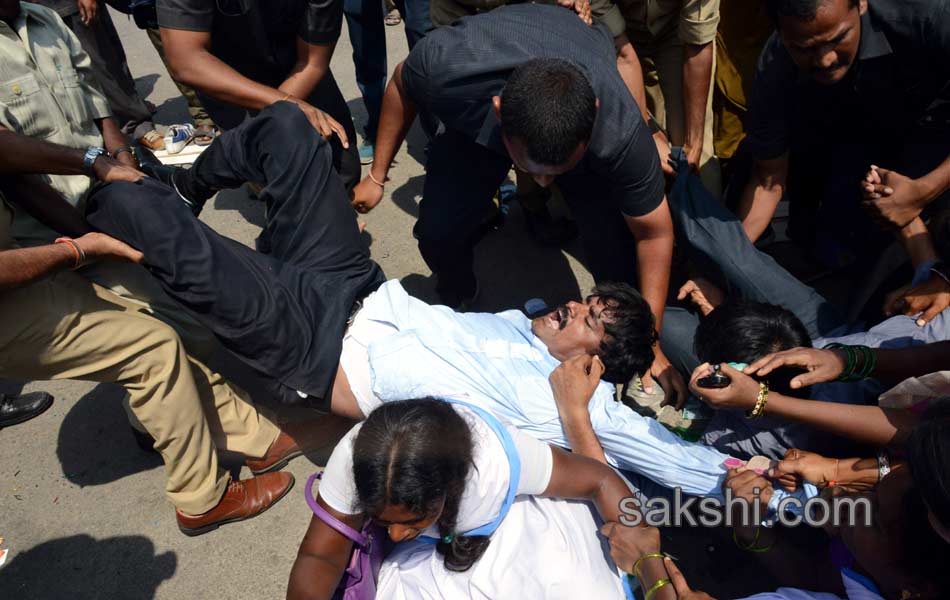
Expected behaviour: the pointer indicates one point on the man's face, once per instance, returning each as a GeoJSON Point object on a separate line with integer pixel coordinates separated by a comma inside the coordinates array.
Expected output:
{"type": "Point", "coordinates": [572, 329]}
{"type": "Point", "coordinates": [825, 47]}
{"type": "Point", "coordinates": [543, 174]}
{"type": "Point", "coordinates": [9, 9]}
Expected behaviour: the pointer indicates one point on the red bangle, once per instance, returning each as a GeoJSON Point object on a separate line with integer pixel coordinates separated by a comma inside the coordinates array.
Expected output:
{"type": "Point", "coordinates": [80, 255]}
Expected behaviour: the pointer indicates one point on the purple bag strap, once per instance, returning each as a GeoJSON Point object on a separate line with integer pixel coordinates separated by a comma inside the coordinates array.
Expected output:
{"type": "Point", "coordinates": [329, 519]}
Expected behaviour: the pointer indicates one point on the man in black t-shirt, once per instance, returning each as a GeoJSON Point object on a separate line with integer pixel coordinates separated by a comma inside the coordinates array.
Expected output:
{"type": "Point", "coordinates": [243, 55]}
{"type": "Point", "coordinates": [536, 87]}
{"type": "Point", "coordinates": [842, 85]}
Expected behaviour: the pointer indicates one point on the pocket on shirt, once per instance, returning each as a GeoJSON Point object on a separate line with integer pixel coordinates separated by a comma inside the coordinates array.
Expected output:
{"type": "Point", "coordinates": [27, 108]}
{"type": "Point", "coordinates": [74, 101]}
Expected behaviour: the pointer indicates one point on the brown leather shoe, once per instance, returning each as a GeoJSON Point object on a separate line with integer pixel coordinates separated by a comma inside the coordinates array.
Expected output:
{"type": "Point", "coordinates": [242, 500]}
{"type": "Point", "coordinates": [297, 438]}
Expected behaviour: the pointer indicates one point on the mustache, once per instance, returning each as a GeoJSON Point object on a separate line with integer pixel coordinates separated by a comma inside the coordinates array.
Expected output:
{"type": "Point", "coordinates": [562, 315]}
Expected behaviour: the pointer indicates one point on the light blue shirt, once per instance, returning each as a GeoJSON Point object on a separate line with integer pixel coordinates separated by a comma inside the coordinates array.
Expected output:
{"type": "Point", "coordinates": [498, 362]}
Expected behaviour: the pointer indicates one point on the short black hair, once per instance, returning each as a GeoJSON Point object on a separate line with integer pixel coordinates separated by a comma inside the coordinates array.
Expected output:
{"type": "Point", "coordinates": [549, 104]}
{"type": "Point", "coordinates": [744, 331]}
{"type": "Point", "coordinates": [630, 332]}
{"type": "Point", "coordinates": [800, 9]}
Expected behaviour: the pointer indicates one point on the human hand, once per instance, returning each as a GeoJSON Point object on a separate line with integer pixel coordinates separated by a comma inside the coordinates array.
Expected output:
{"type": "Point", "coordinates": [99, 245]}
{"type": "Point", "coordinates": [821, 365]}
{"type": "Point", "coordinates": [581, 7]}
{"type": "Point", "coordinates": [575, 380]}
{"type": "Point", "coordinates": [800, 465]}
{"type": "Point", "coordinates": [674, 388]}
{"type": "Point", "coordinates": [325, 125]}
{"type": "Point", "coordinates": [663, 148]}
{"type": "Point", "coordinates": [88, 11]}
{"type": "Point", "coordinates": [929, 299]}
{"type": "Point", "coordinates": [628, 544]}
{"type": "Point", "coordinates": [702, 293]}
{"type": "Point", "coordinates": [752, 488]}
{"type": "Point", "coordinates": [891, 198]}
{"type": "Point", "coordinates": [683, 591]}
{"type": "Point", "coordinates": [741, 393]}
{"type": "Point", "coordinates": [108, 169]}
{"type": "Point", "coordinates": [366, 195]}
{"type": "Point", "coordinates": [693, 156]}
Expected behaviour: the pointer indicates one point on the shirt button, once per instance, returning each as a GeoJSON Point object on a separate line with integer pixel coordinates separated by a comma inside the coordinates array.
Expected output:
{"type": "Point", "coordinates": [17, 90]}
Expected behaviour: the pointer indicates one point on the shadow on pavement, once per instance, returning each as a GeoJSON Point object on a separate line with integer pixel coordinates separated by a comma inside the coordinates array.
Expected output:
{"type": "Point", "coordinates": [96, 445]}
{"type": "Point", "coordinates": [80, 567]}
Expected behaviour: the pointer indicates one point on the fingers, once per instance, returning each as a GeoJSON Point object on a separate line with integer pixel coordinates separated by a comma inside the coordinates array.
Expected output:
{"type": "Point", "coordinates": [608, 528]}
{"type": "Point", "coordinates": [647, 382]}
{"type": "Point", "coordinates": [769, 363]}
{"type": "Point", "coordinates": [597, 368]}
{"type": "Point", "coordinates": [930, 314]}
{"type": "Point", "coordinates": [676, 578]}
{"type": "Point", "coordinates": [338, 130]}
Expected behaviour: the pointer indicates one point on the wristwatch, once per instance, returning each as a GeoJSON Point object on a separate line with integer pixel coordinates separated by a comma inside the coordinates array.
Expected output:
{"type": "Point", "coordinates": [89, 159]}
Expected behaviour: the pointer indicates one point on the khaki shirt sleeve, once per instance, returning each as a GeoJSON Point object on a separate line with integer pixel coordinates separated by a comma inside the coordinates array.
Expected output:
{"type": "Point", "coordinates": [606, 12]}
{"type": "Point", "coordinates": [699, 20]}
{"type": "Point", "coordinates": [88, 86]}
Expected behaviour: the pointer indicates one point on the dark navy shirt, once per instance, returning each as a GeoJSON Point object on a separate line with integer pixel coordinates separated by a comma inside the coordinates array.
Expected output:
{"type": "Point", "coordinates": [454, 72]}
{"type": "Point", "coordinates": [897, 84]}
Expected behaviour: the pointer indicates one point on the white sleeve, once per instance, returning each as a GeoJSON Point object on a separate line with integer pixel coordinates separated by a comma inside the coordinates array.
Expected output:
{"type": "Point", "coordinates": [536, 463]}
{"type": "Point", "coordinates": [337, 487]}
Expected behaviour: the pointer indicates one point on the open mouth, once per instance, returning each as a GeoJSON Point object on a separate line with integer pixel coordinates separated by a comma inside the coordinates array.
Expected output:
{"type": "Point", "coordinates": [557, 319]}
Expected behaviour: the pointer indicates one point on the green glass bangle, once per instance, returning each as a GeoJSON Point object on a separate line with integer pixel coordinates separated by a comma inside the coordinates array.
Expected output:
{"type": "Point", "coordinates": [656, 586]}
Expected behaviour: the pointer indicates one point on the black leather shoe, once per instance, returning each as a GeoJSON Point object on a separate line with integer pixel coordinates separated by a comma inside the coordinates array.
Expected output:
{"type": "Point", "coordinates": [167, 175]}
{"type": "Point", "coordinates": [17, 409]}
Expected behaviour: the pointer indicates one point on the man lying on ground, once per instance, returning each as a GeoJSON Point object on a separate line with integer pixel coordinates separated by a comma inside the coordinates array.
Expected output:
{"type": "Point", "coordinates": [273, 310]}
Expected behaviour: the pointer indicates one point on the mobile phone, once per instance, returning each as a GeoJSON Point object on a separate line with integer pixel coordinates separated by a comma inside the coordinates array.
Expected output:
{"type": "Point", "coordinates": [716, 379]}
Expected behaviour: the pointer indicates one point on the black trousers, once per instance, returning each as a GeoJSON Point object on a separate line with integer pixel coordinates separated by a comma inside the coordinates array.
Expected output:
{"type": "Point", "coordinates": [283, 313]}
{"type": "Point", "coordinates": [328, 98]}
{"type": "Point", "coordinates": [462, 176]}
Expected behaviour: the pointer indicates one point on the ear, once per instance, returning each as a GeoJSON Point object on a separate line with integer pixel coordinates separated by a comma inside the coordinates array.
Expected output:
{"type": "Point", "coordinates": [496, 103]}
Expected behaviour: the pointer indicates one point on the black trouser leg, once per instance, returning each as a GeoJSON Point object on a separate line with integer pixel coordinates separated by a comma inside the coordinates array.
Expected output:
{"type": "Point", "coordinates": [461, 177]}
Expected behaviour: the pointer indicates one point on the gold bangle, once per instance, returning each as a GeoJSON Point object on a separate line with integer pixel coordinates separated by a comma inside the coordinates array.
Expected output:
{"type": "Point", "coordinates": [751, 547]}
{"type": "Point", "coordinates": [636, 566]}
{"type": "Point", "coordinates": [381, 184]}
{"type": "Point", "coordinates": [761, 400]}
{"type": "Point", "coordinates": [656, 586]}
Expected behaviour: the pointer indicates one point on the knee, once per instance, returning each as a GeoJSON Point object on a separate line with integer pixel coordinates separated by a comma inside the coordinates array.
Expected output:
{"type": "Point", "coordinates": [285, 126]}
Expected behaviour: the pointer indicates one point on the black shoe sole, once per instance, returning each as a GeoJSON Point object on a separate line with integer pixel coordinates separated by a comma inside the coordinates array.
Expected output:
{"type": "Point", "coordinates": [24, 418]}
{"type": "Point", "coordinates": [213, 526]}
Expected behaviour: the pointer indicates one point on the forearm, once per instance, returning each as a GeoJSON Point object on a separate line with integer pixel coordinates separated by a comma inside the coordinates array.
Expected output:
{"type": "Point", "coordinates": [628, 64]}
{"type": "Point", "coordinates": [917, 242]}
{"type": "Point", "coordinates": [895, 365]}
{"type": "Point", "coordinates": [654, 257]}
{"type": "Point", "coordinates": [697, 75]}
{"type": "Point", "coordinates": [580, 433]}
{"type": "Point", "coordinates": [21, 266]}
{"type": "Point", "coordinates": [32, 194]}
{"type": "Point", "coordinates": [936, 182]}
{"type": "Point", "coordinates": [112, 136]}
{"type": "Point", "coordinates": [761, 196]}
{"type": "Point", "coordinates": [21, 154]}
{"type": "Point", "coordinates": [866, 424]}
{"type": "Point", "coordinates": [396, 116]}
{"type": "Point", "coordinates": [210, 75]}
{"type": "Point", "coordinates": [313, 62]}
{"type": "Point", "coordinates": [313, 578]}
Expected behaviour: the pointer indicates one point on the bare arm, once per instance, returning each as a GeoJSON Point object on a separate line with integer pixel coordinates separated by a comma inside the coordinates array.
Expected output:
{"type": "Point", "coordinates": [113, 139]}
{"type": "Point", "coordinates": [395, 118]}
{"type": "Point", "coordinates": [631, 72]}
{"type": "Point", "coordinates": [575, 476]}
{"type": "Point", "coordinates": [46, 205]}
{"type": "Point", "coordinates": [573, 383]}
{"type": "Point", "coordinates": [22, 266]}
{"type": "Point", "coordinates": [313, 62]}
{"type": "Point", "coordinates": [323, 556]}
{"type": "Point", "coordinates": [762, 195]}
{"type": "Point", "coordinates": [697, 74]}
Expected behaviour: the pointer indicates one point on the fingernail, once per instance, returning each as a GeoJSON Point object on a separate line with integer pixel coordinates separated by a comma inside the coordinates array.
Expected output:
{"type": "Point", "coordinates": [888, 190]}
{"type": "Point", "coordinates": [921, 322]}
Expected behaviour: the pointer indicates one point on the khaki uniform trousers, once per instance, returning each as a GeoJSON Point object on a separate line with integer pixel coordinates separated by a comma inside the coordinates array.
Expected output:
{"type": "Point", "coordinates": [65, 327]}
{"type": "Point", "coordinates": [662, 63]}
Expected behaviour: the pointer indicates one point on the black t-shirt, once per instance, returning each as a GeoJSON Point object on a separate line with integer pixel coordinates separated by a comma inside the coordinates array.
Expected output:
{"type": "Point", "coordinates": [258, 38]}
{"type": "Point", "coordinates": [897, 84]}
{"type": "Point", "coordinates": [454, 71]}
